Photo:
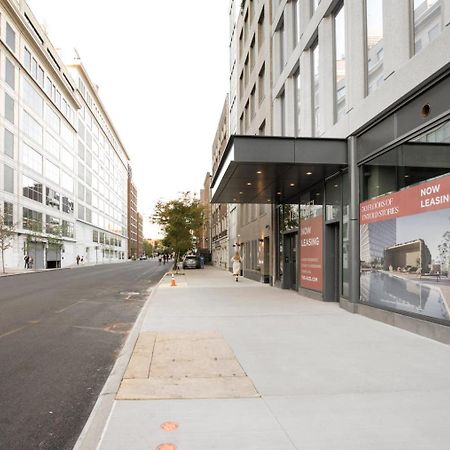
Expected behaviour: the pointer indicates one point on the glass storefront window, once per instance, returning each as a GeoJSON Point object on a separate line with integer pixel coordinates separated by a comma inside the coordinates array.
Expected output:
{"type": "Point", "coordinates": [345, 235]}
{"type": "Point", "coordinates": [333, 199]}
{"type": "Point", "coordinates": [405, 227]}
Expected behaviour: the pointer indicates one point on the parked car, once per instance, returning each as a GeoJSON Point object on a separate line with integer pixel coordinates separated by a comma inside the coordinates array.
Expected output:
{"type": "Point", "coordinates": [143, 258]}
{"type": "Point", "coordinates": [191, 262]}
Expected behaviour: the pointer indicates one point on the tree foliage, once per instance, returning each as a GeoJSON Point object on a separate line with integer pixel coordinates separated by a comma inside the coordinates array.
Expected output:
{"type": "Point", "coordinates": [179, 220]}
{"type": "Point", "coordinates": [7, 233]}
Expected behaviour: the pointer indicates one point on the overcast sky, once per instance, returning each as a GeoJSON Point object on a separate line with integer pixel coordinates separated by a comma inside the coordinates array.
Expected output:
{"type": "Point", "coordinates": [162, 69]}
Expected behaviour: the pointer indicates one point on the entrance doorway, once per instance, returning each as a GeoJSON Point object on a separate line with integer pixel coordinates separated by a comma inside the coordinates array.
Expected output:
{"type": "Point", "coordinates": [332, 263]}
{"type": "Point", "coordinates": [266, 260]}
{"type": "Point", "coordinates": [290, 261]}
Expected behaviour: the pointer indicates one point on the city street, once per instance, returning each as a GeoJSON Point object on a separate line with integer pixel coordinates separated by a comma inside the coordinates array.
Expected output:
{"type": "Point", "coordinates": [60, 334]}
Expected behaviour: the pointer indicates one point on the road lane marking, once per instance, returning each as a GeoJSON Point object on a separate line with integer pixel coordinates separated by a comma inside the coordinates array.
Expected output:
{"type": "Point", "coordinates": [11, 332]}
{"type": "Point", "coordinates": [70, 306]}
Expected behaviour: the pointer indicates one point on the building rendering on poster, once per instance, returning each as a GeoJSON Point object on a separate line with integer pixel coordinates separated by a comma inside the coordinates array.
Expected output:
{"type": "Point", "coordinates": [405, 243]}
{"type": "Point", "coordinates": [311, 230]}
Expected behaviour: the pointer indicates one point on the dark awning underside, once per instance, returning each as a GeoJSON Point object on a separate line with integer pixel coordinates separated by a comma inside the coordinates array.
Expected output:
{"type": "Point", "coordinates": [266, 169]}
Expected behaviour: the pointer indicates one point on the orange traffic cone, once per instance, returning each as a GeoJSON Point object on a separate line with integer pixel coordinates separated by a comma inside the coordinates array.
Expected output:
{"type": "Point", "coordinates": [173, 282]}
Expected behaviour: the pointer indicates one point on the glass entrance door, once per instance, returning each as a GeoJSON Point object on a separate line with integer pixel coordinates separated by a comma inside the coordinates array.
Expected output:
{"type": "Point", "coordinates": [290, 261]}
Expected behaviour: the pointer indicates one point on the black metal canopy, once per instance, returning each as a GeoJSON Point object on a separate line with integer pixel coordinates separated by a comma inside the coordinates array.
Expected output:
{"type": "Point", "coordinates": [267, 169]}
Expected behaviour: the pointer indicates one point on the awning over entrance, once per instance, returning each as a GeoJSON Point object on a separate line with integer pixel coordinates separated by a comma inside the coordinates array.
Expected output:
{"type": "Point", "coordinates": [266, 169]}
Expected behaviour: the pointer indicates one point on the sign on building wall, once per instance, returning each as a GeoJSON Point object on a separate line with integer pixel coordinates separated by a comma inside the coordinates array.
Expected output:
{"type": "Point", "coordinates": [405, 249]}
{"type": "Point", "coordinates": [311, 265]}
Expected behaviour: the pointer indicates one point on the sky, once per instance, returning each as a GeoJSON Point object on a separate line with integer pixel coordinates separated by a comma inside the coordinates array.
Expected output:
{"type": "Point", "coordinates": [162, 70]}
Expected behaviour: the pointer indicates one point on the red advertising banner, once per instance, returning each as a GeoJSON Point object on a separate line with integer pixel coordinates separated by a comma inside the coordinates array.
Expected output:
{"type": "Point", "coordinates": [421, 198]}
{"type": "Point", "coordinates": [311, 266]}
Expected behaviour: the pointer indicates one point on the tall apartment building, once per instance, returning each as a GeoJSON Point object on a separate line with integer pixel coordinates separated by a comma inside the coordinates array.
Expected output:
{"type": "Point", "coordinates": [132, 217]}
{"type": "Point", "coordinates": [254, 113]}
{"type": "Point", "coordinates": [140, 234]}
{"type": "Point", "coordinates": [62, 166]}
{"type": "Point", "coordinates": [219, 212]}
{"type": "Point", "coordinates": [359, 118]}
{"type": "Point", "coordinates": [204, 239]}
{"type": "Point", "coordinates": [101, 184]}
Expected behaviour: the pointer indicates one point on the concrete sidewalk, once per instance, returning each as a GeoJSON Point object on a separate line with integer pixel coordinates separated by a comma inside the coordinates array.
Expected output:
{"type": "Point", "coordinates": [245, 366]}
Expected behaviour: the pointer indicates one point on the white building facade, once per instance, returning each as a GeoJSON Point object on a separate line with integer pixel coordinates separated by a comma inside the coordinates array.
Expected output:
{"type": "Point", "coordinates": [44, 183]}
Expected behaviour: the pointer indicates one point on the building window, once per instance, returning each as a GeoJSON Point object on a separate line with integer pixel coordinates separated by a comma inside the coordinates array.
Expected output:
{"type": "Point", "coordinates": [261, 84]}
{"type": "Point", "coordinates": [375, 42]}
{"type": "Point", "coordinates": [10, 72]}
{"type": "Point", "coordinates": [51, 171]}
{"type": "Point", "coordinates": [427, 22]}
{"type": "Point", "coordinates": [10, 37]}
{"type": "Point", "coordinates": [52, 198]}
{"type": "Point", "coordinates": [67, 205]}
{"type": "Point", "coordinates": [8, 214]}
{"type": "Point", "coordinates": [51, 145]}
{"type": "Point", "coordinates": [32, 128]}
{"type": "Point", "coordinates": [31, 189]}
{"type": "Point", "coordinates": [52, 119]}
{"type": "Point", "coordinates": [314, 5]}
{"type": "Point", "coordinates": [296, 21]}
{"type": "Point", "coordinates": [9, 108]}
{"type": "Point", "coordinates": [316, 89]}
{"type": "Point", "coordinates": [32, 220]}
{"type": "Point", "coordinates": [281, 44]}
{"type": "Point", "coordinates": [8, 179]}
{"type": "Point", "coordinates": [52, 224]}
{"type": "Point", "coordinates": [252, 102]}
{"type": "Point", "coordinates": [282, 112]}
{"type": "Point", "coordinates": [8, 143]}
{"type": "Point", "coordinates": [67, 182]}
{"type": "Point", "coordinates": [32, 98]}
{"type": "Point", "coordinates": [31, 158]}
{"type": "Point", "coordinates": [27, 59]}
{"type": "Point", "coordinates": [67, 229]}
{"type": "Point", "coordinates": [340, 78]}
{"type": "Point", "coordinates": [297, 99]}
{"type": "Point", "coordinates": [261, 29]}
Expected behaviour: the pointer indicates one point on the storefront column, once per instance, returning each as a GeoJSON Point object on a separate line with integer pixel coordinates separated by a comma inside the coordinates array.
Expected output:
{"type": "Point", "coordinates": [354, 220]}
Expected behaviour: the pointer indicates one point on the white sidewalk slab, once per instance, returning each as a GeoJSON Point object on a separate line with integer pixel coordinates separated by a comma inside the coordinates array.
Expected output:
{"type": "Point", "coordinates": [327, 379]}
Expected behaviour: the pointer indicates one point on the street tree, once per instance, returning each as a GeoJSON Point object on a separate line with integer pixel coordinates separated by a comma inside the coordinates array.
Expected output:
{"type": "Point", "coordinates": [7, 232]}
{"type": "Point", "coordinates": [148, 247]}
{"type": "Point", "coordinates": [179, 219]}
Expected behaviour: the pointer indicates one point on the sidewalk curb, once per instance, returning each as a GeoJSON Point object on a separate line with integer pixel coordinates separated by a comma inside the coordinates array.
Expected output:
{"type": "Point", "coordinates": [92, 432]}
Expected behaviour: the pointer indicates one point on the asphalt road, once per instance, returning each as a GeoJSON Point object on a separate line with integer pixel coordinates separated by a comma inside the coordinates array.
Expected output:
{"type": "Point", "coordinates": [60, 334]}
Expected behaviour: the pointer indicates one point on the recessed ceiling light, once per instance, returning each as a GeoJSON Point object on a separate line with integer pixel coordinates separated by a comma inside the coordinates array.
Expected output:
{"type": "Point", "coordinates": [240, 193]}
{"type": "Point", "coordinates": [278, 193]}
{"type": "Point", "coordinates": [258, 171]}
{"type": "Point", "coordinates": [308, 173]}
{"type": "Point", "coordinates": [268, 199]}
{"type": "Point", "coordinates": [292, 184]}
{"type": "Point", "coordinates": [249, 184]}
{"type": "Point", "coordinates": [406, 176]}
{"type": "Point", "coordinates": [317, 193]}
{"type": "Point", "coordinates": [336, 185]}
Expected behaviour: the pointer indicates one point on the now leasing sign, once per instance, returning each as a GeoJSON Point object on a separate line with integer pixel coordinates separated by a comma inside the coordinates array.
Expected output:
{"type": "Point", "coordinates": [311, 253]}
{"type": "Point", "coordinates": [421, 198]}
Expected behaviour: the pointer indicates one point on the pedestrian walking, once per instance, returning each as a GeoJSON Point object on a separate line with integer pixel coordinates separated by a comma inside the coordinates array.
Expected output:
{"type": "Point", "coordinates": [159, 259]}
{"type": "Point", "coordinates": [82, 260]}
{"type": "Point", "coordinates": [30, 262]}
{"type": "Point", "coordinates": [78, 260]}
{"type": "Point", "coordinates": [26, 258]}
{"type": "Point", "coordinates": [237, 263]}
